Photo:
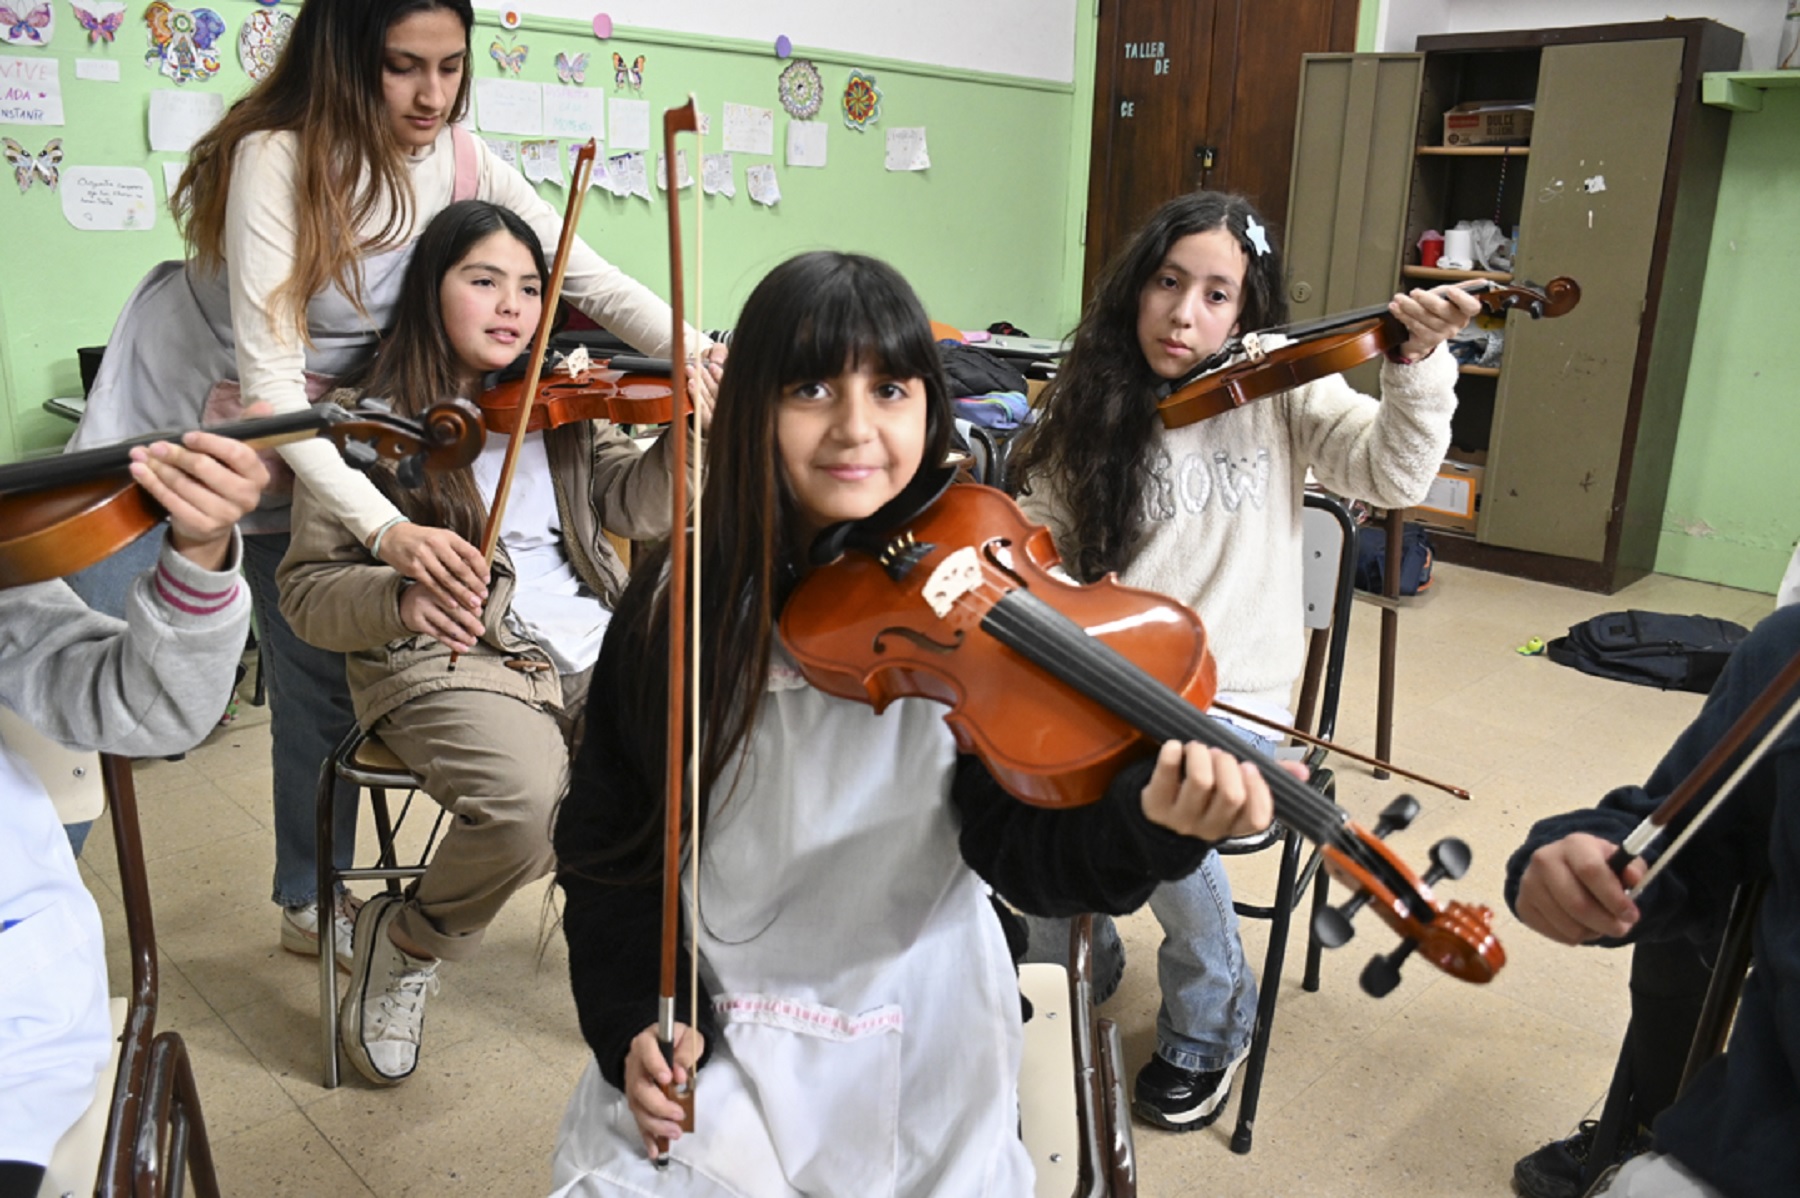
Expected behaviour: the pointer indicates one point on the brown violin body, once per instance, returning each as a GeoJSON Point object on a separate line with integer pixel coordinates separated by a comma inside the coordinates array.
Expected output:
{"type": "Point", "coordinates": [623, 397]}
{"type": "Point", "coordinates": [1056, 686]}
{"type": "Point", "coordinates": [1333, 346]}
{"type": "Point", "coordinates": [60, 515]}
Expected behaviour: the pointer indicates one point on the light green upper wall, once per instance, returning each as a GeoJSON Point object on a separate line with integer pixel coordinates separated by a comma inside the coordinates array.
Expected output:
{"type": "Point", "coordinates": [990, 232]}
{"type": "Point", "coordinates": [1733, 511]}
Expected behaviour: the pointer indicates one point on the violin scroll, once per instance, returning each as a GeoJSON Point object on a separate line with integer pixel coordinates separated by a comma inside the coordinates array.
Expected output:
{"type": "Point", "coordinates": [446, 436]}
{"type": "Point", "coordinates": [1556, 298]}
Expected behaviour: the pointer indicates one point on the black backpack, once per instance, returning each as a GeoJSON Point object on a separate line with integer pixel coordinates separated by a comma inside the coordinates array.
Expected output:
{"type": "Point", "coordinates": [1650, 648]}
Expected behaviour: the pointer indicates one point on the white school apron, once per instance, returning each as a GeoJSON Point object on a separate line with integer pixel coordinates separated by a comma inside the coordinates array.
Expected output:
{"type": "Point", "coordinates": [173, 343]}
{"type": "Point", "coordinates": [869, 1007]}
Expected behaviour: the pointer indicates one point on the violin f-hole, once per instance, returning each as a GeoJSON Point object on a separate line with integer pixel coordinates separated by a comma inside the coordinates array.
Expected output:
{"type": "Point", "coordinates": [918, 638]}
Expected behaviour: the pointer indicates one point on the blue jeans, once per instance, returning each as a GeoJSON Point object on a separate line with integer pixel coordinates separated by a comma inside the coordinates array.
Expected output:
{"type": "Point", "coordinates": [309, 713]}
{"type": "Point", "coordinates": [1208, 1009]}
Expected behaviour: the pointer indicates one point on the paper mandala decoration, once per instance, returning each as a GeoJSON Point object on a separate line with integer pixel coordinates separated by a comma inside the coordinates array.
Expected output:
{"type": "Point", "coordinates": [260, 41]}
{"type": "Point", "coordinates": [802, 91]}
{"type": "Point", "coordinates": [183, 42]}
{"type": "Point", "coordinates": [862, 101]}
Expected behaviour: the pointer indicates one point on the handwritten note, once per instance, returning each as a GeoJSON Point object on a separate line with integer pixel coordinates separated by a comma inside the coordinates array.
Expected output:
{"type": "Point", "coordinates": [749, 130]}
{"type": "Point", "coordinates": [509, 106]}
{"type": "Point", "coordinates": [716, 177]}
{"type": "Point", "coordinates": [684, 177]}
{"type": "Point", "coordinates": [598, 178]}
{"type": "Point", "coordinates": [906, 150]}
{"type": "Point", "coordinates": [575, 112]}
{"type": "Point", "coordinates": [96, 198]}
{"type": "Point", "coordinates": [630, 120]}
{"type": "Point", "coordinates": [540, 160]}
{"type": "Point", "coordinates": [763, 188]}
{"type": "Point", "coordinates": [628, 174]}
{"type": "Point", "coordinates": [99, 70]}
{"type": "Point", "coordinates": [806, 143]}
{"type": "Point", "coordinates": [30, 91]}
{"type": "Point", "coordinates": [179, 118]}
{"type": "Point", "coordinates": [506, 151]}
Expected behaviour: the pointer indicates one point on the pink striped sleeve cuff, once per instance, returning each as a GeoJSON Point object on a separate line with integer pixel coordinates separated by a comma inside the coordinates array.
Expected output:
{"type": "Point", "coordinates": [184, 598]}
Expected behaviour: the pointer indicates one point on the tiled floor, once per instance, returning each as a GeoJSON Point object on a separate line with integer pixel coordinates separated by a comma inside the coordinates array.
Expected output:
{"type": "Point", "coordinates": [1434, 1090]}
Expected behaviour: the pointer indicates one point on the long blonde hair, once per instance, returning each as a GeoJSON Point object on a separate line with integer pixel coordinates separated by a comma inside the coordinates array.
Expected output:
{"type": "Point", "coordinates": [326, 89]}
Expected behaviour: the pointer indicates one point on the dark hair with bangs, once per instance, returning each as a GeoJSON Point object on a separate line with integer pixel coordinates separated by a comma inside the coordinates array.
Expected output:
{"type": "Point", "coordinates": [417, 366]}
{"type": "Point", "coordinates": [808, 319]}
{"type": "Point", "coordinates": [1098, 416]}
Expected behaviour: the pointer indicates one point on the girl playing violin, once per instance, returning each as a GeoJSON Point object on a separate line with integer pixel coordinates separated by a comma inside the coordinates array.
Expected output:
{"type": "Point", "coordinates": [490, 739]}
{"type": "Point", "coordinates": [300, 209]}
{"type": "Point", "coordinates": [1210, 515]}
{"type": "Point", "coordinates": [858, 1012]}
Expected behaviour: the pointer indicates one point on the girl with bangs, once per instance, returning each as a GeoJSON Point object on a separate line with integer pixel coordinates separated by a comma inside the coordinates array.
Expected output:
{"type": "Point", "coordinates": [859, 1017]}
{"type": "Point", "coordinates": [300, 210]}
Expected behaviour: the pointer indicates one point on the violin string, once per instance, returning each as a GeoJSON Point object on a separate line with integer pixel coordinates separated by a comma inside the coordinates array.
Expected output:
{"type": "Point", "coordinates": [696, 476]}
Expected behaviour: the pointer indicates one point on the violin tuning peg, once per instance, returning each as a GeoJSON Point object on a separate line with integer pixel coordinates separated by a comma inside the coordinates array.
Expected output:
{"type": "Point", "coordinates": [1450, 858]}
{"type": "Point", "coordinates": [1396, 815]}
{"type": "Point", "coordinates": [1332, 928]}
{"type": "Point", "coordinates": [360, 454]}
{"type": "Point", "coordinates": [370, 403]}
{"type": "Point", "coordinates": [411, 471]}
{"type": "Point", "coordinates": [1381, 975]}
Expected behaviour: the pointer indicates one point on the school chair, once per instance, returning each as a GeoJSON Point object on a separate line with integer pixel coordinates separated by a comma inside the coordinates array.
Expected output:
{"type": "Point", "coordinates": [145, 1135]}
{"type": "Point", "coordinates": [1074, 1117]}
{"type": "Point", "coordinates": [1710, 1032]}
{"type": "Point", "coordinates": [1329, 545]}
{"type": "Point", "coordinates": [360, 758]}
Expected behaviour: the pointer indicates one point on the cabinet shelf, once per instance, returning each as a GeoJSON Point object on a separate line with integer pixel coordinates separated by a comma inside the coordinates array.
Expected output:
{"type": "Point", "coordinates": [1441, 275]}
{"type": "Point", "coordinates": [1742, 91]}
{"type": "Point", "coordinates": [1486, 372]}
{"type": "Point", "coordinates": [1474, 151]}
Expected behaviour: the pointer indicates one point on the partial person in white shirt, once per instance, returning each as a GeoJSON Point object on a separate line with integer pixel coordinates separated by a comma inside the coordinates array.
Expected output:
{"type": "Point", "coordinates": [300, 210]}
{"type": "Point", "coordinates": [490, 739]}
{"type": "Point", "coordinates": [150, 684]}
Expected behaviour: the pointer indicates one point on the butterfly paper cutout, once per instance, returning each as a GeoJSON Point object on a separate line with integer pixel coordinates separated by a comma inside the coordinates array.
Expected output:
{"type": "Point", "coordinates": [99, 29]}
{"type": "Point", "coordinates": [510, 58]}
{"type": "Point", "coordinates": [632, 75]}
{"type": "Point", "coordinates": [27, 25]}
{"type": "Point", "coordinates": [28, 169]}
{"type": "Point", "coordinates": [571, 70]}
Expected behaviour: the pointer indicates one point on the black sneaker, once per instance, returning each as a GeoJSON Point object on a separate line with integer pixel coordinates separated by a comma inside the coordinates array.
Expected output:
{"type": "Point", "coordinates": [1177, 1099]}
{"type": "Point", "coordinates": [1554, 1171]}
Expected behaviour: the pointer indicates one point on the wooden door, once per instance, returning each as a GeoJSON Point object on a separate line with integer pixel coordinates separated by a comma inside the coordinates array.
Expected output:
{"type": "Point", "coordinates": [1198, 93]}
{"type": "Point", "coordinates": [1593, 196]}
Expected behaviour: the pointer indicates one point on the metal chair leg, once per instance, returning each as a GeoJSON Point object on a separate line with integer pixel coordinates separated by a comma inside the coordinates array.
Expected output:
{"type": "Point", "coordinates": [327, 898]}
{"type": "Point", "coordinates": [1271, 986]}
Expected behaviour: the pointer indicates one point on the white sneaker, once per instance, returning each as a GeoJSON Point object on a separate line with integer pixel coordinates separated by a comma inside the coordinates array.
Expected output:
{"type": "Point", "coordinates": [300, 928]}
{"type": "Point", "coordinates": [383, 1016]}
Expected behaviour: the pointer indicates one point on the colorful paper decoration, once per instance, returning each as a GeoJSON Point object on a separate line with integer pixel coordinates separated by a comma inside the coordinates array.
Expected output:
{"type": "Point", "coordinates": [783, 46]}
{"type": "Point", "coordinates": [29, 168]}
{"type": "Point", "coordinates": [571, 70]}
{"type": "Point", "coordinates": [862, 101]}
{"type": "Point", "coordinates": [802, 91]}
{"type": "Point", "coordinates": [183, 42]}
{"type": "Point", "coordinates": [511, 18]}
{"type": "Point", "coordinates": [631, 75]}
{"type": "Point", "coordinates": [510, 57]}
{"type": "Point", "coordinates": [602, 26]}
{"type": "Point", "coordinates": [27, 22]}
{"type": "Point", "coordinates": [101, 19]}
{"type": "Point", "coordinates": [260, 40]}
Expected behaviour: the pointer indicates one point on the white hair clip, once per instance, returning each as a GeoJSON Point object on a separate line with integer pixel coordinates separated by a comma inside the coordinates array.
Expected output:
{"type": "Point", "coordinates": [1256, 235]}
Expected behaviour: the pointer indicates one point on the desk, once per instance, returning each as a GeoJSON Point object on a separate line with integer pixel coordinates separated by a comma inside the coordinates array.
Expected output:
{"type": "Point", "coordinates": [69, 408]}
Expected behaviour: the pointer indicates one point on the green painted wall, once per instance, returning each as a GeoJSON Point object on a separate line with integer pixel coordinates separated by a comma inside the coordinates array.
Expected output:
{"type": "Point", "coordinates": [1733, 510]}
{"type": "Point", "coordinates": [990, 232]}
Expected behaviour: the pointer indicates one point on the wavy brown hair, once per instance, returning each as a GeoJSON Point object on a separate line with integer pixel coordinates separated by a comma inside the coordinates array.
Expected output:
{"type": "Point", "coordinates": [417, 366]}
{"type": "Point", "coordinates": [325, 90]}
{"type": "Point", "coordinates": [1097, 418]}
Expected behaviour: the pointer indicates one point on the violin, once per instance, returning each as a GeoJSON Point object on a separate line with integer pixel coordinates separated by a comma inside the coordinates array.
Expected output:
{"type": "Point", "coordinates": [947, 594]}
{"type": "Point", "coordinates": [624, 389]}
{"type": "Point", "coordinates": [62, 514]}
{"type": "Point", "coordinates": [1264, 363]}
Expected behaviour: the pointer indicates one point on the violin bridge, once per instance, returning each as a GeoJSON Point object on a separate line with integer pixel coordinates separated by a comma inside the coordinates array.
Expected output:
{"type": "Point", "coordinates": [1253, 347]}
{"type": "Point", "coordinates": [955, 576]}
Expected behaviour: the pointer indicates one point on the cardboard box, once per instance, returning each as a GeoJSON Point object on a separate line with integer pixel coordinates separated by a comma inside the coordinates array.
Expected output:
{"type": "Point", "coordinates": [1489, 123]}
{"type": "Point", "coordinates": [1454, 498]}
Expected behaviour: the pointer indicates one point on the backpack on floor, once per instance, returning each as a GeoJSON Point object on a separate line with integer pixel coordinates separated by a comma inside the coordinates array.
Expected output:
{"type": "Point", "coordinates": [1371, 559]}
{"type": "Point", "coordinates": [1650, 648]}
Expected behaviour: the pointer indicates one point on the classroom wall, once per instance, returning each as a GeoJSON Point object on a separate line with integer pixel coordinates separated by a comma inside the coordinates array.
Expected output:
{"type": "Point", "coordinates": [990, 232]}
{"type": "Point", "coordinates": [1733, 511]}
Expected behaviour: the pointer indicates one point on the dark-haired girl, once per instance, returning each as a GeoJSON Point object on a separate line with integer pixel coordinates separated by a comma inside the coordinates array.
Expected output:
{"type": "Point", "coordinates": [490, 740]}
{"type": "Point", "coordinates": [858, 1011]}
{"type": "Point", "coordinates": [1210, 515]}
{"type": "Point", "coordinates": [300, 209]}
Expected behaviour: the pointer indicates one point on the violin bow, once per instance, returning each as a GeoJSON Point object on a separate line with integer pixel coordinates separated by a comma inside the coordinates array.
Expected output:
{"type": "Point", "coordinates": [1331, 746]}
{"type": "Point", "coordinates": [1753, 717]}
{"type": "Point", "coordinates": [578, 185]}
{"type": "Point", "coordinates": [684, 119]}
